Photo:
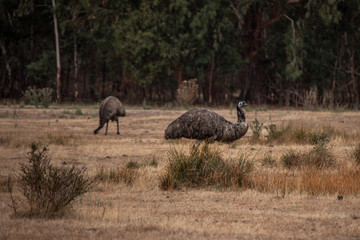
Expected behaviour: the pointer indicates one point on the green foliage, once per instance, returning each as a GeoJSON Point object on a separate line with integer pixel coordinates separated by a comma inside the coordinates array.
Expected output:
{"type": "Point", "coordinates": [36, 97]}
{"type": "Point", "coordinates": [256, 127]}
{"type": "Point", "coordinates": [41, 69]}
{"type": "Point", "coordinates": [49, 189]}
{"type": "Point", "coordinates": [203, 167]}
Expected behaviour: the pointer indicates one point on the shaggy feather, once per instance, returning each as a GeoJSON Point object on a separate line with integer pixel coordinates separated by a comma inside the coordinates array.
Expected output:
{"type": "Point", "coordinates": [203, 124]}
{"type": "Point", "coordinates": [110, 109]}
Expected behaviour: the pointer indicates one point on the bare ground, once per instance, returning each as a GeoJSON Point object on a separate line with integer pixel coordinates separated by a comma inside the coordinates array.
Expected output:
{"type": "Point", "coordinates": [143, 211]}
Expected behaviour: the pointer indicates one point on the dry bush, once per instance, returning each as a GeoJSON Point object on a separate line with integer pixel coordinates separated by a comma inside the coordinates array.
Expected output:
{"type": "Point", "coordinates": [187, 94]}
{"type": "Point", "coordinates": [203, 167]}
{"type": "Point", "coordinates": [47, 189]}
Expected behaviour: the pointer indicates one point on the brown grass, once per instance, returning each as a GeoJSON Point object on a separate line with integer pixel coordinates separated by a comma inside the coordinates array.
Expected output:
{"type": "Point", "coordinates": [273, 202]}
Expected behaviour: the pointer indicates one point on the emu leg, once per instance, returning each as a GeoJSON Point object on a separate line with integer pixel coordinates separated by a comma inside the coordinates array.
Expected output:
{"type": "Point", "coordinates": [117, 123]}
{"type": "Point", "coordinates": [107, 124]}
{"type": "Point", "coordinates": [98, 129]}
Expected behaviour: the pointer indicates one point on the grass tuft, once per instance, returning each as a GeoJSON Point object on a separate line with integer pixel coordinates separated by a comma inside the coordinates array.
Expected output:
{"type": "Point", "coordinates": [356, 154]}
{"type": "Point", "coordinates": [203, 167]}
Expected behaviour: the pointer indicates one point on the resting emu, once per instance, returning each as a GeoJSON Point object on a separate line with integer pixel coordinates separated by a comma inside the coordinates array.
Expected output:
{"type": "Point", "coordinates": [110, 109]}
{"type": "Point", "coordinates": [203, 124]}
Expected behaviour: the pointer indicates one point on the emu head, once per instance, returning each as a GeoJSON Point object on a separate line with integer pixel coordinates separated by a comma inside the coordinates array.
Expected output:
{"type": "Point", "coordinates": [241, 104]}
{"type": "Point", "coordinates": [240, 112]}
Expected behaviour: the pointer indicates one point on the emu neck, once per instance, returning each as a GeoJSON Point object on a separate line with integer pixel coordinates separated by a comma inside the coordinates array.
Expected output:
{"type": "Point", "coordinates": [241, 115]}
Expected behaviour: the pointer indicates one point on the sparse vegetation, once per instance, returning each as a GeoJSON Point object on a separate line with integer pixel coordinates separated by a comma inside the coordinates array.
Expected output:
{"type": "Point", "coordinates": [319, 157]}
{"type": "Point", "coordinates": [59, 139]}
{"type": "Point", "coordinates": [256, 127]}
{"type": "Point", "coordinates": [203, 167]}
{"type": "Point", "coordinates": [48, 190]}
{"type": "Point", "coordinates": [126, 174]}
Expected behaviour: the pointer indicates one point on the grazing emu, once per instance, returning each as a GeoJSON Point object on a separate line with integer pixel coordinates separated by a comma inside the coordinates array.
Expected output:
{"type": "Point", "coordinates": [203, 124]}
{"type": "Point", "coordinates": [110, 109]}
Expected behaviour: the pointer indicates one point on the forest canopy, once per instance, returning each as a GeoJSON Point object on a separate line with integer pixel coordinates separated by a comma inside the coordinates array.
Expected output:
{"type": "Point", "coordinates": [284, 52]}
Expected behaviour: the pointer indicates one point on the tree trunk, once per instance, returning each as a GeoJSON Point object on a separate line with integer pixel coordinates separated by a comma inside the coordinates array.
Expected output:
{"type": "Point", "coordinates": [58, 63]}
{"type": "Point", "coordinates": [211, 74]}
{"type": "Point", "coordinates": [8, 86]}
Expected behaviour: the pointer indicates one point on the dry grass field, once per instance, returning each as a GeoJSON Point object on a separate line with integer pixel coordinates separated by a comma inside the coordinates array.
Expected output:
{"type": "Point", "coordinates": [275, 201]}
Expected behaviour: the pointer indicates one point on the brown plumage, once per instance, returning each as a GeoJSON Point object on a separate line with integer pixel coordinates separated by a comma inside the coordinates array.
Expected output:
{"type": "Point", "coordinates": [110, 109]}
{"type": "Point", "coordinates": [203, 124]}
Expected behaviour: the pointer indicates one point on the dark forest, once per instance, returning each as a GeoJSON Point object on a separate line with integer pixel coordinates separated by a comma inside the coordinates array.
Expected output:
{"type": "Point", "coordinates": [286, 53]}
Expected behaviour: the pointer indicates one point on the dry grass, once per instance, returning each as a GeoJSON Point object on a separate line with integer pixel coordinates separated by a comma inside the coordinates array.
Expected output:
{"type": "Point", "coordinates": [273, 202]}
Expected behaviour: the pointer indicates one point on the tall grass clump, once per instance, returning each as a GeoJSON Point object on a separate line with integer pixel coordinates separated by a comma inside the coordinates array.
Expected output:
{"type": "Point", "coordinates": [203, 167]}
{"type": "Point", "coordinates": [48, 189]}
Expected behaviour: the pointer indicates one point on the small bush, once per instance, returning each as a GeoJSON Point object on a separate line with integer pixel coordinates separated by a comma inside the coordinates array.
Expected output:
{"type": "Point", "coordinates": [49, 189]}
{"type": "Point", "coordinates": [320, 156]}
{"type": "Point", "coordinates": [78, 111]}
{"type": "Point", "coordinates": [5, 141]}
{"type": "Point", "coordinates": [203, 167]}
{"type": "Point", "coordinates": [268, 161]}
{"type": "Point", "coordinates": [292, 159]}
{"type": "Point", "coordinates": [187, 94]}
{"type": "Point", "coordinates": [256, 127]}
{"type": "Point", "coordinates": [36, 97]}
{"type": "Point", "coordinates": [132, 164]}
{"type": "Point", "coordinates": [6, 184]}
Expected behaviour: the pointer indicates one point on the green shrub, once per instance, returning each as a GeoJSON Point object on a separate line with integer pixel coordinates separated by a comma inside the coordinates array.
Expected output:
{"type": "Point", "coordinates": [203, 167]}
{"type": "Point", "coordinates": [48, 189]}
{"type": "Point", "coordinates": [36, 97]}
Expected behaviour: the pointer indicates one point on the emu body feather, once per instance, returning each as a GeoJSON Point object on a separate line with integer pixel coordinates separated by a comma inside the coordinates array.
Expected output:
{"type": "Point", "coordinates": [203, 124]}
{"type": "Point", "coordinates": [110, 109]}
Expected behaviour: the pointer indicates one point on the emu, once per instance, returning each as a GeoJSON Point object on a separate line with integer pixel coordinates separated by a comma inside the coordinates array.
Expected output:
{"type": "Point", "coordinates": [203, 124]}
{"type": "Point", "coordinates": [110, 109]}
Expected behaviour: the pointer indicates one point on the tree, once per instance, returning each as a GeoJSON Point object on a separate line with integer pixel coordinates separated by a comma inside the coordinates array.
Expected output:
{"type": "Point", "coordinates": [58, 61]}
